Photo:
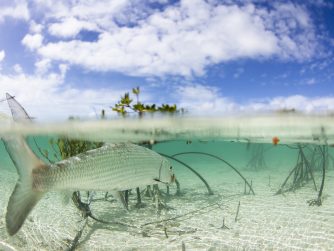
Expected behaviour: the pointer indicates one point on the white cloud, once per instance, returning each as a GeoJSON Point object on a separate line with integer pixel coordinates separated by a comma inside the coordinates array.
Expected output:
{"type": "Point", "coordinates": [183, 39]}
{"type": "Point", "coordinates": [204, 100]}
{"type": "Point", "coordinates": [100, 12]}
{"type": "Point", "coordinates": [301, 103]}
{"type": "Point", "coordinates": [294, 29]}
{"type": "Point", "coordinates": [70, 27]}
{"type": "Point", "coordinates": [32, 41]}
{"type": "Point", "coordinates": [35, 27]}
{"type": "Point", "coordinates": [17, 9]}
{"type": "Point", "coordinates": [47, 98]}
{"type": "Point", "coordinates": [18, 69]}
{"type": "Point", "coordinates": [207, 100]}
{"type": "Point", "coordinates": [2, 55]}
{"type": "Point", "coordinates": [42, 66]}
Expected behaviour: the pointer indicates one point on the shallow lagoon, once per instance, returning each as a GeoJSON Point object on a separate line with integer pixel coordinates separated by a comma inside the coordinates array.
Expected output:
{"type": "Point", "coordinates": [233, 218]}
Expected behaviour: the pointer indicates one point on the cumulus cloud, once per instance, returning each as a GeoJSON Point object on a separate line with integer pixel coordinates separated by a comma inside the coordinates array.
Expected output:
{"type": "Point", "coordinates": [42, 66]}
{"type": "Point", "coordinates": [2, 55]}
{"type": "Point", "coordinates": [32, 41]}
{"type": "Point", "coordinates": [18, 69]}
{"type": "Point", "coordinates": [51, 99]}
{"type": "Point", "coordinates": [70, 27]}
{"type": "Point", "coordinates": [46, 97]}
{"type": "Point", "coordinates": [204, 100]}
{"type": "Point", "coordinates": [207, 100]}
{"type": "Point", "coordinates": [80, 8]}
{"type": "Point", "coordinates": [302, 103]}
{"type": "Point", "coordinates": [35, 27]}
{"type": "Point", "coordinates": [17, 9]}
{"type": "Point", "coordinates": [182, 39]}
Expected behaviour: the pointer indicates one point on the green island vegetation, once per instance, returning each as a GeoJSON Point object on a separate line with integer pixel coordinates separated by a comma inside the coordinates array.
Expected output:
{"type": "Point", "coordinates": [126, 105]}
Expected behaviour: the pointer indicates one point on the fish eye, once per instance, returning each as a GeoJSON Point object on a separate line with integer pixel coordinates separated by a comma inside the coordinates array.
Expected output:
{"type": "Point", "coordinates": [170, 168]}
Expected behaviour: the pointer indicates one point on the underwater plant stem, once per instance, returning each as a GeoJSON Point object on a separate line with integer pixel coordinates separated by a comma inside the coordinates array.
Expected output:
{"type": "Point", "coordinates": [257, 161]}
{"type": "Point", "coordinates": [191, 169]}
{"type": "Point", "coordinates": [251, 185]}
{"type": "Point", "coordinates": [323, 174]}
{"type": "Point", "coordinates": [237, 213]}
{"type": "Point", "coordinates": [86, 212]}
{"type": "Point", "coordinates": [221, 159]}
{"type": "Point", "coordinates": [295, 148]}
{"type": "Point", "coordinates": [183, 246]}
{"type": "Point", "coordinates": [178, 187]}
{"type": "Point", "coordinates": [245, 188]}
{"type": "Point", "coordinates": [318, 201]}
{"type": "Point", "coordinates": [148, 192]}
{"type": "Point", "coordinates": [138, 196]}
{"type": "Point", "coordinates": [126, 199]}
{"type": "Point", "coordinates": [280, 191]}
{"type": "Point", "coordinates": [179, 216]}
{"type": "Point", "coordinates": [110, 222]}
{"type": "Point", "coordinates": [41, 152]}
{"type": "Point", "coordinates": [75, 242]}
{"type": "Point", "coordinates": [309, 168]}
{"type": "Point", "coordinates": [165, 231]}
{"type": "Point", "coordinates": [224, 226]}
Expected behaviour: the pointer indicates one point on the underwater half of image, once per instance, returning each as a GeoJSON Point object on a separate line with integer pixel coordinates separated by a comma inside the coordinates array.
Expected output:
{"type": "Point", "coordinates": [227, 193]}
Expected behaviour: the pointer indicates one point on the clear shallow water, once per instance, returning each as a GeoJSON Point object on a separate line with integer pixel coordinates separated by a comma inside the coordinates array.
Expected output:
{"type": "Point", "coordinates": [194, 219]}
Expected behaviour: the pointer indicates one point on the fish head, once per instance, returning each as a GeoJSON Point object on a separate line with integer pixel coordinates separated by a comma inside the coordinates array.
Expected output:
{"type": "Point", "coordinates": [166, 172]}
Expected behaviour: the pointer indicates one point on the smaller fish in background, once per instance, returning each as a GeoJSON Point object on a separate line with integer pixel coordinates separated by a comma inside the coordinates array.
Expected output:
{"type": "Point", "coordinates": [275, 140]}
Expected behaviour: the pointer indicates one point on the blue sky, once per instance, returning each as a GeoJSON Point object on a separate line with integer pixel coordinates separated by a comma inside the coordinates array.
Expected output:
{"type": "Point", "coordinates": [62, 58]}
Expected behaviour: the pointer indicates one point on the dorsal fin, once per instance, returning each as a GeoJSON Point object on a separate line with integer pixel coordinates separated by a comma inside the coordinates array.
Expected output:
{"type": "Point", "coordinates": [18, 112]}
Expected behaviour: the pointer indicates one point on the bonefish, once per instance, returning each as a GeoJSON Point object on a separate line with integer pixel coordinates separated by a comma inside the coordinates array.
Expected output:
{"type": "Point", "coordinates": [112, 167]}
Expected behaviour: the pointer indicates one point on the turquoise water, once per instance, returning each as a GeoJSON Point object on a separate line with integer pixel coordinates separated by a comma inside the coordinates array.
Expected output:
{"type": "Point", "coordinates": [232, 218]}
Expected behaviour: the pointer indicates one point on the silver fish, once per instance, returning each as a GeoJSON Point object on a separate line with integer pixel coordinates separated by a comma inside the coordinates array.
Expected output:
{"type": "Point", "coordinates": [112, 167]}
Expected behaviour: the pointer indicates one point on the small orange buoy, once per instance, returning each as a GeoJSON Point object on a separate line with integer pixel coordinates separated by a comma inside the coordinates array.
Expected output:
{"type": "Point", "coordinates": [275, 140]}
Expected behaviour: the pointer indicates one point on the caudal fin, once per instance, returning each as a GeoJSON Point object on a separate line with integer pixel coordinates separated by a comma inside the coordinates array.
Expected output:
{"type": "Point", "coordinates": [24, 196]}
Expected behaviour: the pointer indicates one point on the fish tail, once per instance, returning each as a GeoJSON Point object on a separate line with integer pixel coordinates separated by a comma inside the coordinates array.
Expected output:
{"type": "Point", "coordinates": [24, 196]}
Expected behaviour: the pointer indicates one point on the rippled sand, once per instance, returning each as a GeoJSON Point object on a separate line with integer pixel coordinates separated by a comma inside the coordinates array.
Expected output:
{"type": "Point", "coordinates": [265, 221]}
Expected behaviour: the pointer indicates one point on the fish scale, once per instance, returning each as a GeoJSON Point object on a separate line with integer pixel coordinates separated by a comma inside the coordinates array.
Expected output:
{"type": "Point", "coordinates": [107, 168]}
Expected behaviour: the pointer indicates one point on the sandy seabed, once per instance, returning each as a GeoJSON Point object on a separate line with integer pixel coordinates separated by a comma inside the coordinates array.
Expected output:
{"type": "Point", "coordinates": [264, 222]}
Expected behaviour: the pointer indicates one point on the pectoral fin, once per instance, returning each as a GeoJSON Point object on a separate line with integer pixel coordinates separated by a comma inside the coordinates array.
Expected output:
{"type": "Point", "coordinates": [121, 198]}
